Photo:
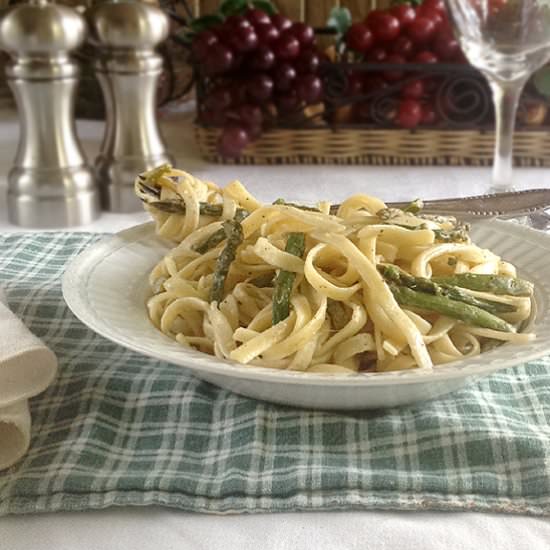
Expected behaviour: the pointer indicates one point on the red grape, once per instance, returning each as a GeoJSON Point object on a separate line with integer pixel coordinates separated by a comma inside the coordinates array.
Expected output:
{"type": "Point", "coordinates": [260, 87]}
{"type": "Point", "coordinates": [236, 22]}
{"type": "Point", "coordinates": [413, 89]}
{"type": "Point", "coordinates": [288, 102]}
{"type": "Point", "coordinates": [257, 17]}
{"type": "Point", "coordinates": [429, 116]}
{"type": "Point", "coordinates": [404, 13]}
{"type": "Point", "coordinates": [232, 116]}
{"type": "Point", "coordinates": [376, 55]}
{"type": "Point", "coordinates": [307, 62]}
{"type": "Point", "coordinates": [430, 13]}
{"type": "Point", "coordinates": [286, 47]}
{"type": "Point", "coordinates": [262, 59]}
{"type": "Point", "coordinates": [233, 140]}
{"type": "Point", "coordinates": [309, 88]}
{"type": "Point", "coordinates": [303, 33]}
{"type": "Point", "coordinates": [437, 5]}
{"type": "Point", "coordinates": [218, 60]}
{"type": "Point", "coordinates": [238, 59]}
{"type": "Point", "coordinates": [446, 27]}
{"type": "Point", "coordinates": [250, 115]}
{"type": "Point", "coordinates": [281, 22]}
{"type": "Point", "coordinates": [373, 83]}
{"type": "Point", "coordinates": [394, 75]}
{"type": "Point", "coordinates": [409, 113]}
{"type": "Point", "coordinates": [384, 26]}
{"type": "Point", "coordinates": [243, 39]}
{"type": "Point", "coordinates": [431, 84]}
{"type": "Point", "coordinates": [425, 57]}
{"type": "Point", "coordinates": [238, 93]}
{"type": "Point", "coordinates": [372, 17]}
{"type": "Point", "coordinates": [355, 84]}
{"type": "Point", "coordinates": [359, 37]}
{"type": "Point", "coordinates": [266, 33]}
{"type": "Point", "coordinates": [219, 98]}
{"type": "Point", "coordinates": [224, 33]}
{"type": "Point", "coordinates": [402, 46]}
{"type": "Point", "coordinates": [284, 76]}
{"type": "Point", "coordinates": [254, 132]}
{"type": "Point", "coordinates": [421, 30]}
{"type": "Point", "coordinates": [446, 47]}
{"type": "Point", "coordinates": [202, 43]}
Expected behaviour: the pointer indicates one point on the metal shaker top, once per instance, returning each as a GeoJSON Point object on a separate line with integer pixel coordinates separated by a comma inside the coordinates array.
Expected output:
{"type": "Point", "coordinates": [41, 29]}
{"type": "Point", "coordinates": [131, 25]}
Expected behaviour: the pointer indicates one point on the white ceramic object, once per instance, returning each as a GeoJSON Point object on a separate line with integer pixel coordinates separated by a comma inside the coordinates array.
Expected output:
{"type": "Point", "coordinates": [106, 288]}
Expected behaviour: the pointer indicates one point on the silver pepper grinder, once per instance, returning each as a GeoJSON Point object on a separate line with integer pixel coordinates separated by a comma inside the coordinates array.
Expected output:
{"type": "Point", "coordinates": [126, 34]}
{"type": "Point", "coordinates": [50, 184]}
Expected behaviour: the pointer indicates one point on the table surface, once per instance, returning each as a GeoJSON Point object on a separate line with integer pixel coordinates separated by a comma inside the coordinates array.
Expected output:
{"type": "Point", "coordinates": [152, 528]}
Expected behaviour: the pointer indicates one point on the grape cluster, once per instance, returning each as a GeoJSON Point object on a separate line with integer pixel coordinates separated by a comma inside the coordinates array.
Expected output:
{"type": "Point", "coordinates": [398, 35]}
{"type": "Point", "coordinates": [257, 66]}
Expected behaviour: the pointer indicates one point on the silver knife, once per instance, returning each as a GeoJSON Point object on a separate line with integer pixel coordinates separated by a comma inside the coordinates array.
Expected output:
{"type": "Point", "coordinates": [504, 205]}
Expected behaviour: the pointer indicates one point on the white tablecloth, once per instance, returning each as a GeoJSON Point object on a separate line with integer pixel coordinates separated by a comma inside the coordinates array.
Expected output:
{"type": "Point", "coordinates": [157, 528]}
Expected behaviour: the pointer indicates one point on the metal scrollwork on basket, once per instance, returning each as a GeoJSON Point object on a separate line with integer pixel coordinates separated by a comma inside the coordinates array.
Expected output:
{"type": "Point", "coordinates": [461, 97]}
{"type": "Point", "coordinates": [464, 101]}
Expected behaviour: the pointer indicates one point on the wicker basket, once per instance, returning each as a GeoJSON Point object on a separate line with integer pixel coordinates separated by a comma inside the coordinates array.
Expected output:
{"type": "Point", "coordinates": [457, 140]}
{"type": "Point", "coordinates": [379, 147]}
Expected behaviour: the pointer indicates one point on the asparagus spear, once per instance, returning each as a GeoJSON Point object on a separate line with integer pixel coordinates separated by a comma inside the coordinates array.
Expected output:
{"type": "Point", "coordinates": [299, 206]}
{"type": "Point", "coordinates": [148, 181]}
{"type": "Point", "coordinates": [234, 235]}
{"type": "Point", "coordinates": [216, 238]}
{"type": "Point", "coordinates": [152, 176]}
{"type": "Point", "coordinates": [285, 279]}
{"type": "Point", "coordinates": [398, 276]}
{"type": "Point", "coordinates": [471, 315]}
{"type": "Point", "coordinates": [497, 284]}
{"type": "Point", "coordinates": [177, 206]}
{"type": "Point", "coordinates": [414, 207]}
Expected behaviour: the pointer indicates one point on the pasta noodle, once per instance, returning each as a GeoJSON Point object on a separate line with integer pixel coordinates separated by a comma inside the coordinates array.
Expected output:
{"type": "Point", "coordinates": [361, 287]}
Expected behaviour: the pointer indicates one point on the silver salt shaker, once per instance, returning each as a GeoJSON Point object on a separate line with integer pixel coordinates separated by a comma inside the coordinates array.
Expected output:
{"type": "Point", "coordinates": [126, 35]}
{"type": "Point", "coordinates": [50, 184]}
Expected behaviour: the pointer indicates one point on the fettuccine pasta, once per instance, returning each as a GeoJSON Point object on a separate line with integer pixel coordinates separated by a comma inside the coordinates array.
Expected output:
{"type": "Point", "coordinates": [358, 287]}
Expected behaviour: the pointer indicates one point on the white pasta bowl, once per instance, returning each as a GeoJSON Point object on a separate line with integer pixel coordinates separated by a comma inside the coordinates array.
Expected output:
{"type": "Point", "coordinates": [106, 288]}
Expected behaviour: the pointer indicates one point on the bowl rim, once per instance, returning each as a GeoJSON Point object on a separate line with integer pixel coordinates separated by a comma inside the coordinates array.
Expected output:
{"type": "Point", "coordinates": [80, 269]}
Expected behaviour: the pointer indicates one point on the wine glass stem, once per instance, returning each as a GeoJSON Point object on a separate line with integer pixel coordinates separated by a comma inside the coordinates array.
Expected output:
{"type": "Point", "coordinates": [506, 98]}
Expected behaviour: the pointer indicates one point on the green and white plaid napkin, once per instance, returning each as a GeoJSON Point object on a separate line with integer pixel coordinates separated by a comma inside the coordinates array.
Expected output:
{"type": "Point", "coordinates": [118, 428]}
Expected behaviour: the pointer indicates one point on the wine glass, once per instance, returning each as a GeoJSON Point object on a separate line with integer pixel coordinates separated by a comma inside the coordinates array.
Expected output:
{"type": "Point", "coordinates": [507, 40]}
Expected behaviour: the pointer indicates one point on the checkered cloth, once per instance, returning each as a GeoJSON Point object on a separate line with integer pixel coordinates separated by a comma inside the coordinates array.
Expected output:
{"type": "Point", "coordinates": [119, 428]}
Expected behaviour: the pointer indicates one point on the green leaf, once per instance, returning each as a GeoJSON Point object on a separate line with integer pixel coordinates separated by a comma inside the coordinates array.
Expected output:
{"type": "Point", "coordinates": [541, 81]}
{"type": "Point", "coordinates": [339, 19]}
{"type": "Point", "coordinates": [205, 22]}
{"type": "Point", "coordinates": [233, 7]}
{"type": "Point", "coordinates": [185, 36]}
{"type": "Point", "coordinates": [265, 5]}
